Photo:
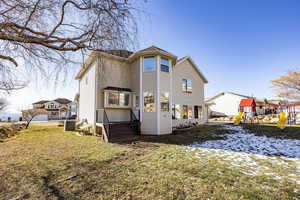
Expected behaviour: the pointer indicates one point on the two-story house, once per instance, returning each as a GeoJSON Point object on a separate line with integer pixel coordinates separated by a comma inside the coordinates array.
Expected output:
{"type": "Point", "coordinates": [57, 109]}
{"type": "Point", "coordinates": [150, 86]}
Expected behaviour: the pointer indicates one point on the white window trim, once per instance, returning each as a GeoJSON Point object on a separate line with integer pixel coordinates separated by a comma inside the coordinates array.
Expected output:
{"type": "Point", "coordinates": [106, 104]}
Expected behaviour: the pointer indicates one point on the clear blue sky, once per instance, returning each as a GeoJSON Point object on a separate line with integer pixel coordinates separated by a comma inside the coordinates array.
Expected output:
{"type": "Point", "coordinates": [239, 45]}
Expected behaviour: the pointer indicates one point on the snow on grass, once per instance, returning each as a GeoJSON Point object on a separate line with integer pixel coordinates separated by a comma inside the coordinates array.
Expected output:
{"type": "Point", "coordinates": [254, 155]}
{"type": "Point", "coordinates": [243, 141]}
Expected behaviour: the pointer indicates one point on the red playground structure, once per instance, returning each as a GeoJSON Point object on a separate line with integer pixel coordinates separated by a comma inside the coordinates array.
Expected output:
{"type": "Point", "coordinates": [248, 106]}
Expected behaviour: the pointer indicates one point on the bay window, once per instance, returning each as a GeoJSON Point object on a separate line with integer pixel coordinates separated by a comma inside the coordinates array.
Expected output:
{"type": "Point", "coordinates": [117, 99]}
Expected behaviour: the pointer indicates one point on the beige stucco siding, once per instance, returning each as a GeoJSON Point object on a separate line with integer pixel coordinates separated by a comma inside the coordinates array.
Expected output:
{"type": "Point", "coordinates": [185, 70]}
{"type": "Point", "coordinates": [87, 104]}
{"type": "Point", "coordinates": [149, 120]}
{"type": "Point", "coordinates": [115, 73]}
{"type": "Point", "coordinates": [116, 115]}
{"type": "Point", "coordinates": [135, 76]}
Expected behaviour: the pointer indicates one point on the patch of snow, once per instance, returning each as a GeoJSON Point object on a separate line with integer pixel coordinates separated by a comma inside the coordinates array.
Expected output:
{"type": "Point", "coordinates": [244, 141]}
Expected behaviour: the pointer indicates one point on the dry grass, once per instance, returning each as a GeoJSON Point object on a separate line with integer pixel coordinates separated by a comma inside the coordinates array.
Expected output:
{"type": "Point", "coordinates": [46, 163]}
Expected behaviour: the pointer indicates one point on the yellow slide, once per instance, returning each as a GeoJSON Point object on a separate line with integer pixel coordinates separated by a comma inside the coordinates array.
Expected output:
{"type": "Point", "coordinates": [282, 120]}
{"type": "Point", "coordinates": [238, 118]}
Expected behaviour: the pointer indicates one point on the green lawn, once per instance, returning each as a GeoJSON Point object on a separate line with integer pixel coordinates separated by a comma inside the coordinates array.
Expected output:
{"type": "Point", "coordinates": [47, 163]}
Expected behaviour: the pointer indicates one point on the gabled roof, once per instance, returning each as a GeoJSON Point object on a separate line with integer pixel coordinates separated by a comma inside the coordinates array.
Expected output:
{"type": "Point", "coordinates": [120, 53]}
{"type": "Point", "coordinates": [223, 93]}
{"type": "Point", "coordinates": [194, 65]}
{"type": "Point", "coordinates": [62, 100]}
{"type": "Point", "coordinates": [153, 50]}
{"type": "Point", "coordinates": [41, 102]}
{"type": "Point", "coordinates": [247, 102]}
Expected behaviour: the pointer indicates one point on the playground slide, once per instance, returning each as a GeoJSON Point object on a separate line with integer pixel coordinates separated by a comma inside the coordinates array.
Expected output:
{"type": "Point", "coordinates": [282, 120]}
{"type": "Point", "coordinates": [238, 118]}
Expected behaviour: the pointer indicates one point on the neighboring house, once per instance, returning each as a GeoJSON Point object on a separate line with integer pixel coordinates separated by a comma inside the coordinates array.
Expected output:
{"type": "Point", "coordinates": [224, 104]}
{"type": "Point", "coordinates": [161, 91]}
{"type": "Point", "coordinates": [228, 104]}
{"type": "Point", "coordinates": [57, 109]}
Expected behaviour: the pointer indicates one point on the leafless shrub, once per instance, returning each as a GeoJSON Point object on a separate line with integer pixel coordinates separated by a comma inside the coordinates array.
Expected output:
{"type": "Point", "coordinates": [30, 114]}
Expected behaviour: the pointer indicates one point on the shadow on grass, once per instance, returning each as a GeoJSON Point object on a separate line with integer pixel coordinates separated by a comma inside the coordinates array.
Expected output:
{"type": "Point", "coordinates": [200, 134]}
{"type": "Point", "coordinates": [181, 137]}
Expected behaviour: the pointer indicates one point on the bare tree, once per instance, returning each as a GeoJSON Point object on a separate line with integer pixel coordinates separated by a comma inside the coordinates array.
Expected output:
{"type": "Point", "coordinates": [288, 85]}
{"type": "Point", "coordinates": [42, 34]}
{"type": "Point", "coordinates": [30, 114]}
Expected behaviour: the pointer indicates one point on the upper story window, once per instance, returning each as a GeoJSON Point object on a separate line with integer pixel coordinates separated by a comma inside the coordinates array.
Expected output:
{"type": "Point", "coordinates": [149, 64]}
{"type": "Point", "coordinates": [164, 65]}
{"type": "Point", "coordinates": [52, 106]}
{"type": "Point", "coordinates": [187, 85]}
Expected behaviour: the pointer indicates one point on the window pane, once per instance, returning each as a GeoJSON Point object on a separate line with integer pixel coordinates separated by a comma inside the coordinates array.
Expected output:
{"type": "Point", "coordinates": [164, 65]}
{"type": "Point", "coordinates": [164, 61]}
{"type": "Point", "coordinates": [189, 85]}
{"type": "Point", "coordinates": [113, 98]}
{"type": "Point", "coordinates": [164, 102]}
{"type": "Point", "coordinates": [164, 68]}
{"type": "Point", "coordinates": [124, 99]}
{"type": "Point", "coordinates": [190, 112]}
{"type": "Point", "coordinates": [184, 85]}
{"type": "Point", "coordinates": [149, 105]}
{"type": "Point", "coordinates": [184, 111]}
{"type": "Point", "coordinates": [149, 64]}
{"type": "Point", "coordinates": [177, 111]}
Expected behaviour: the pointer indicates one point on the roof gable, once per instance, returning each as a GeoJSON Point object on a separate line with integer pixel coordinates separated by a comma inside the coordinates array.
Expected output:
{"type": "Point", "coordinates": [187, 58]}
{"type": "Point", "coordinates": [223, 93]}
{"type": "Point", "coordinates": [62, 100]}
{"type": "Point", "coordinates": [247, 102]}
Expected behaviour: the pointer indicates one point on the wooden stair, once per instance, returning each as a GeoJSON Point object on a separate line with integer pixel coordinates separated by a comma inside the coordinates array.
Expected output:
{"type": "Point", "coordinates": [120, 131]}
